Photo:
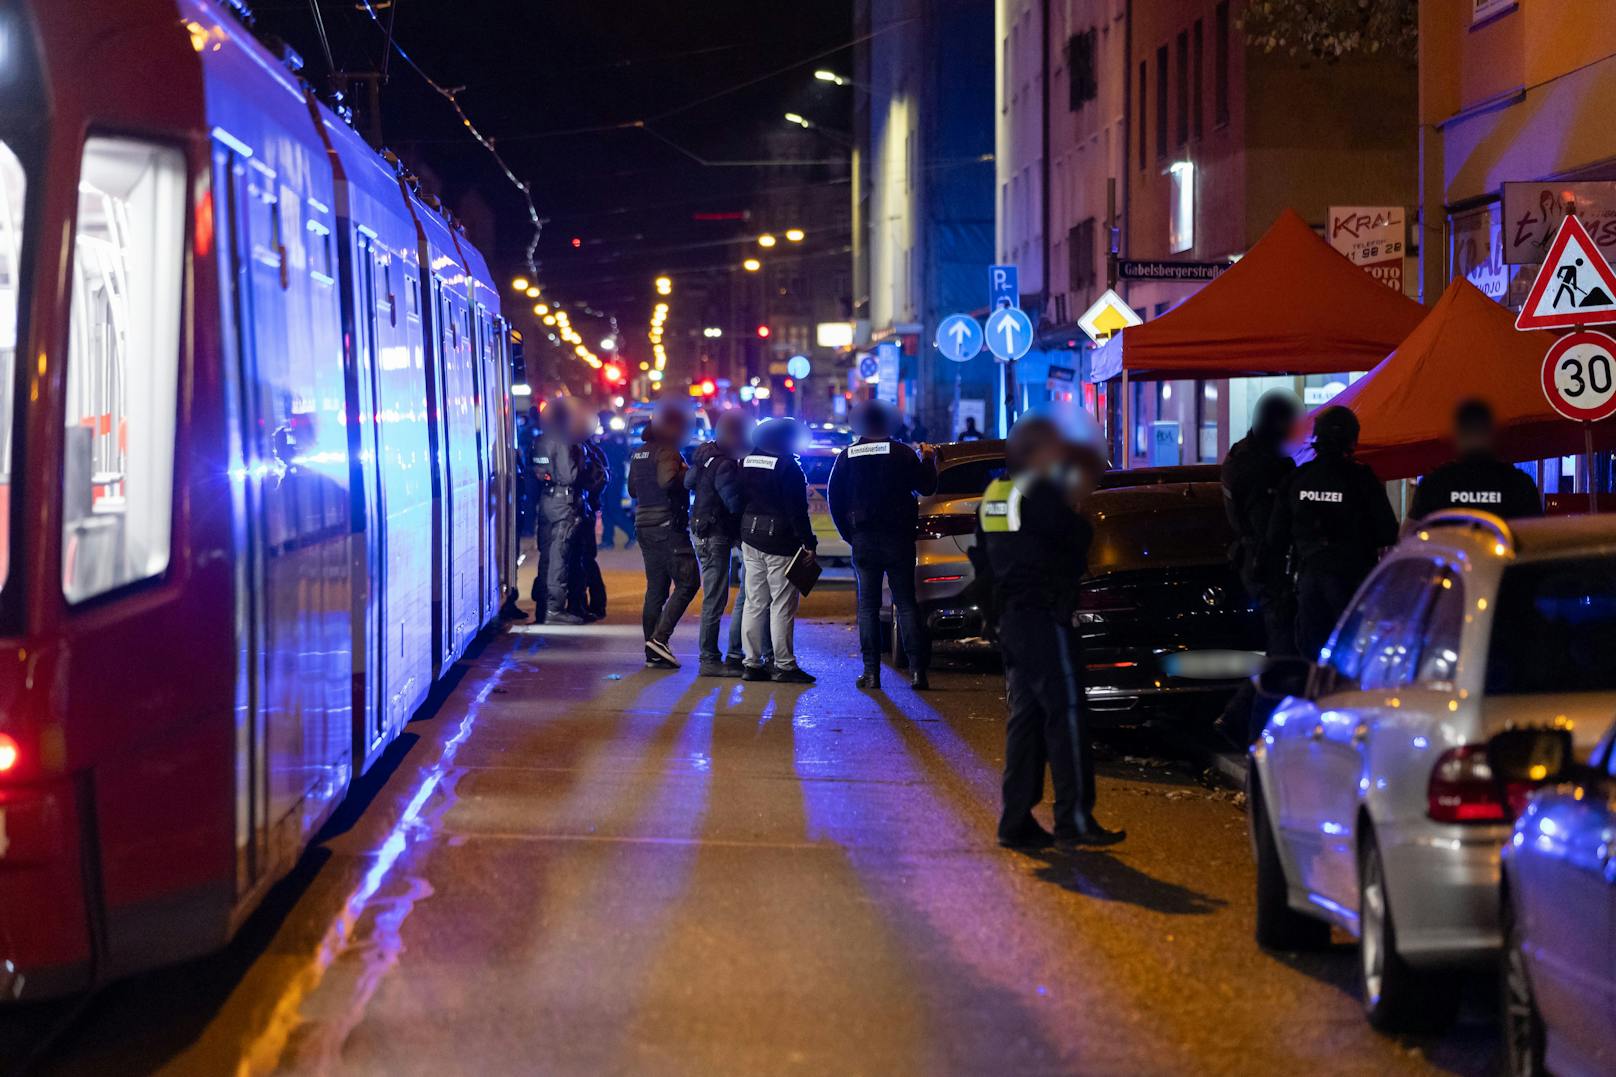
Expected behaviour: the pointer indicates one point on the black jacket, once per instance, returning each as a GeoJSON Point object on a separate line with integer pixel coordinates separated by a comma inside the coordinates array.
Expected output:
{"type": "Point", "coordinates": [557, 464]}
{"type": "Point", "coordinates": [593, 474]}
{"type": "Point", "coordinates": [873, 486]}
{"type": "Point", "coordinates": [1253, 472]}
{"type": "Point", "coordinates": [656, 482]}
{"type": "Point", "coordinates": [1332, 515]}
{"type": "Point", "coordinates": [774, 494]}
{"type": "Point", "coordinates": [715, 479]}
{"type": "Point", "coordinates": [1039, 565]}
{"type": "Point", "coordinates": [1478, 482]}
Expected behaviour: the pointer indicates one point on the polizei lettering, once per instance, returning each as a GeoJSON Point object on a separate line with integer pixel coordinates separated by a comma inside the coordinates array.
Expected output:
{"type": "Point", "coordinates": [1475, 497]}
{"type": "Point", "coordinates": [1333, 496]}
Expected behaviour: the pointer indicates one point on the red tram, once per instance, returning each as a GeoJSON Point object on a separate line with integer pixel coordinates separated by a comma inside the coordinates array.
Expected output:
{"type": "Point", "coordinates": [255, 447]}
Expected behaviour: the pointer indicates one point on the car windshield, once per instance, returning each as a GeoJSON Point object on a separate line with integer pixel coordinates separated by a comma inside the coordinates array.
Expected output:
{"type": "Point", "coordinates": [969, 478]}
{"type": "Point", "coordinates": [1554, 628]}
{"type": "Point", "coordinates": [817, 467]}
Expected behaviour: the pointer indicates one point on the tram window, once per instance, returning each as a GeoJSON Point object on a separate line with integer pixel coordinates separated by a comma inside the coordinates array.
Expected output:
{"type": "Point", "coordinates": [122, 366]}
{"type": "Point", "coordinates": [12, 190]}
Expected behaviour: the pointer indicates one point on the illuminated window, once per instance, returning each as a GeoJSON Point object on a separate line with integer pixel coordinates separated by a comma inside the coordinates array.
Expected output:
{"type": "Point", "coordinates": [13, 187]}
{"type": "Point", "coordinates": [122, 366]}
{"type": "Point", "coordinates": [1181, 230]}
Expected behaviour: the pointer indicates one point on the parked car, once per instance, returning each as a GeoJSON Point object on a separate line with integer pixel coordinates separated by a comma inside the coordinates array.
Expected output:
{"type": "Point", "coordinates": [1372, 806]}
{"type": "Point", "coordinates": [817, 461]}
{"type": "Point", "coordinates": [1559, 905]}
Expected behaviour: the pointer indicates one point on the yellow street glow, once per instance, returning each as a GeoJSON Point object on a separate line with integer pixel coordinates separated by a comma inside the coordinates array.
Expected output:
{"type": "Point", "coordinates": [795, 235]}
{"type": "Point", "coordinates": [520, 284]}
{"type": "Point", "coordinates": [532, 293]}
{"type": "Point", "coordinates": [766, 240]}
{"type": "Point", "coordinates": [751, 265]}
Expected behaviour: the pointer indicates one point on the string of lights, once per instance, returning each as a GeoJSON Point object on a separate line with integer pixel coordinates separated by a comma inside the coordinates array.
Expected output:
{"type": "Point", "coordinates": [659, 318]}
{"type": "Point", "coordinates": [451, 95]}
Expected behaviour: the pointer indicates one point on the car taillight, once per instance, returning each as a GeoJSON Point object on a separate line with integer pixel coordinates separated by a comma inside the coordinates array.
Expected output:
{"type": "Point", "coordinates": [9, 753]}
{"type": "Point", "coordinates": [1462, 789]}
{"type": "Point", "coordinates": [946, 525]}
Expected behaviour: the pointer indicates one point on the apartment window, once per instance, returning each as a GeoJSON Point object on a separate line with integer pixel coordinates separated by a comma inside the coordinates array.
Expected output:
{"type": "Point", "coordinates": [1080, 255]}
{"type": "Point", "coordinates": [1183, 58]}
{"type": "Point", "coordinates": [122, 365]}
{"type": "Point", "coordinates": [1082, 83]}
{"type": "Point", "coordinates": [1139, 106]}
{"type": "Point", "coordinates": [1161, 103]}
{"type": "Point", "coordinates": [1220, 65]}
{"type": "Point", "coordinates": [1197, 78]}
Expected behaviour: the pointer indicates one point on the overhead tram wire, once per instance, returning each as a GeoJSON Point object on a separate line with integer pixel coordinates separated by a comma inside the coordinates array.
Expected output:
{"type": "Point", "coordinates": [325, 40]}
{"type": "Point", "coordinates": [450, 95]}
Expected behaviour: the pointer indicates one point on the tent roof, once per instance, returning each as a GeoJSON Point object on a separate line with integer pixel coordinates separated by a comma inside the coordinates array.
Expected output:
{"type": "Point", "coordinates": [1292, 305]}
{"type": "Point", "coordinates": [1466, 348]}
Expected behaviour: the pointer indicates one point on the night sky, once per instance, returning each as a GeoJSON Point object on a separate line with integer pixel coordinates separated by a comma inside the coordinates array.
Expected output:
{"type": "Point", "coordinates": [531, 69]}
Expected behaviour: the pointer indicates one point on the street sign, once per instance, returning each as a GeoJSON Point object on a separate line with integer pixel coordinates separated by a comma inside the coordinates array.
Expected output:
{"type": "Point", "coordinates": [1575, 286]}
{"type": "Point", "coordinates": [868, 367]}
{"type": "Point", "coordinates": [1109, 314]}
{"type": "Point", "coordinates": [798, 366]}
{"type": "Point", "coordinates": [1004, 287]}
{"type": "Point", "coordinates": [1170, 271]}
{"type": "Point", "coordinates": [889, 368]}
{"type": "Point", "coordinates": [1009, 333]}
{"type": "Point", "coordinates": [959, 338]}
{"type": "Point", "coordinates": [1579, 376]}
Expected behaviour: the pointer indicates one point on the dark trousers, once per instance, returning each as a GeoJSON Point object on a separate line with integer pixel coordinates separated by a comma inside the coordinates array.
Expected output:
{"type": "Point", "coordinates": [558, 530]}
{"type": "Point", "coordinates": [714, 553]}
{"type": "Point", "coordinates": [1249, 710]}
{"type": "Point", "coordinates": [589, 588]}
{"type": "Point", "coordinates": [1043, 663]}
{"type": "Point", "coordinates": [1321, 597]}
{"type": "Point", "coordinates": [615, 518]}
{"type": "Point", "coordinates": [670, 566]}
{"type": "Point", "coordinates": [891, 556]}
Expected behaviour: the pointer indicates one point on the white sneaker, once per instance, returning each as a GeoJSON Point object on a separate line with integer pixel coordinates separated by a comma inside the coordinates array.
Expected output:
{"type": "Point", "coordinates": [662, 651]}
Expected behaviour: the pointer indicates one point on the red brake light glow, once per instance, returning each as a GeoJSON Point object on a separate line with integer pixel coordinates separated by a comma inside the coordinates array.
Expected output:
{"type": "Point", "coordinates": [9, 753]}
{"type": "Point", "coordinates": [1462, 789]}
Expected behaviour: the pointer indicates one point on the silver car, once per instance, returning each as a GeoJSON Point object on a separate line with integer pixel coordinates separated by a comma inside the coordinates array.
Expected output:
{"type": "Point", "coordinates": [1372, 805]}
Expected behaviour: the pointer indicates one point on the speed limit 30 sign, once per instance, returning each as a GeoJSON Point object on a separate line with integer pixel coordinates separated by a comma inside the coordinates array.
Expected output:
{"type": "Point", "coordinates": [1579, 376]}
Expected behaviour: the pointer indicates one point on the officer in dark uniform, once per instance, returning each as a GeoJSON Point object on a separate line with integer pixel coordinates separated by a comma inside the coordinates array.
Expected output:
{"type": "Point", "coordinates": [1256, 467]}
{"type": "Point", "coordinates": [589, 601]}
{"type": "Point", "coordinates": [774, 527]}
{"type": "Point", "coordinates": [615, 516]}
{"type": "Point", "coordinates": [873, 488]}
{"type": "Point", "coordinates": [1330, 521]}
{"type": "Point", "coordinates": [1032, 546]}
{"type": "Point", "coordinates": [656, 481]}
{"type": "Point", "coordinates": [556, 461]}
{"type": "Point", "coordinates": [1476, 478]}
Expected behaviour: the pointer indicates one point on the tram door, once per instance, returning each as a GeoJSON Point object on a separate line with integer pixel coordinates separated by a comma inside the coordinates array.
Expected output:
{"type": "Point", "coordinates": [369, 506]}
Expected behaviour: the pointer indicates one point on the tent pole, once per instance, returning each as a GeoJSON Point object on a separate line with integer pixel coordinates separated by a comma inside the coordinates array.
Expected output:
{"type": "Point", "coordinates": [1127, 421]}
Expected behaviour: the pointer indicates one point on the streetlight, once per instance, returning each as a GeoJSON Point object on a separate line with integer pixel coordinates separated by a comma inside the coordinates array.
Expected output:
{"type": "Point", "coordinates": [766, 240]}
{"type": "Point", "coordinates": [751, 265]}
{"type": "Point", "coordinates": [795, 235]}
{"type": "Point", "coordinates": [664, 286]}
{"type": "Point", "coordinates": [520, 284]}
{"type": "Point", "coordinates": [830, 76]}
{"type": "Point", "coordinates": [798, 119]}
{"type": "Point", "coordinates": [532, 292]}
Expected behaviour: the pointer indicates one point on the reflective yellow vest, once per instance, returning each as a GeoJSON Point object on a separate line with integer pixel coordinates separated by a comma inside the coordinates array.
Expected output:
{"type": "Point", "coordinates": [1000, 510]}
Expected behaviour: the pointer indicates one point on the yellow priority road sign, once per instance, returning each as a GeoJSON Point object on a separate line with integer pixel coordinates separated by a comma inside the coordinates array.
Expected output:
{"type": "Point", "coordinates": [1110, 314]}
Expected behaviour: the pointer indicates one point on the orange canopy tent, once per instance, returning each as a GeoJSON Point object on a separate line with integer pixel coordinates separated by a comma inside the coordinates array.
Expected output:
{"type": "Point", "coordinates": [1292, 305]}
{"type": "Point", "coordinates": [1466, 348]}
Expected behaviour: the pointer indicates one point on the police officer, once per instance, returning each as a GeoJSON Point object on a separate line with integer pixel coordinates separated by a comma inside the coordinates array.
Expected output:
{"type": "Point", "coordinates": [589, 598]}
{"type": "Point", "coordinates": [873, 488]}
{"type": "Point", "coordinates": [556, 461]}
{"type": "Point", "coordinates": [1476, 478]}
{"type": "Point", "coordinates": [715, 520]}
{"type": "Point", "coordinates": [614, 516]}
{"type": "Point", "coordinates": [1330, 521]}
{"type": "Point", "coordinates": [1032, 543]}
{"type": "Point", "coordinates": [1256, 467]}
{"type": "Point", "coordinates": [656, 474]}
{"type": "Point", "coordinates": [774, 526]}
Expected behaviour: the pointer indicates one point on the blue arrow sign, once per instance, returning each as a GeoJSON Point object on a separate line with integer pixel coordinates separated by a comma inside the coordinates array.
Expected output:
{"type": "Point", "coordinates": [1009, 333]}
{"type": "Point", "coordinates": [959, 337]}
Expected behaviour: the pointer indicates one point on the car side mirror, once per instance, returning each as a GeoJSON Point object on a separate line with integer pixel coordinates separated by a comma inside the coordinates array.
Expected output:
{"type": "Point", "coordinates": [1282, 677]}
{"type": "Point", "coordinates": [1530, 756]}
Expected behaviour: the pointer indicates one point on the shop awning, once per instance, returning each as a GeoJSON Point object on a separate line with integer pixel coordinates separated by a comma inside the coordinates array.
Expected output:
{"type": "Point", "coordinates": [1467, 347]}
{"type": "Point", "coordinates": [1292, 305]}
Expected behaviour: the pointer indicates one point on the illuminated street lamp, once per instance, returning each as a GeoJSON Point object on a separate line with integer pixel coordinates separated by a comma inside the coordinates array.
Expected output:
{"type": "Point", "coordinates": [751, 265]}
{"type": "Point", "coordinates": [830, 76]}
{"type": "Point", "coordinates": [541, 309]}
{"type": "Point", "coordinates": [766, 240]}
{"type": "Point", "coordinates": [532, 292]}
{"type": "Point", "coordinates": [795, 235]}
{"type": "Point", "coordinates": [799, 119]}
{"type": "Point", "coordinates": [520, 284]}
{"type": "Point", "coordinates": [664, 286]}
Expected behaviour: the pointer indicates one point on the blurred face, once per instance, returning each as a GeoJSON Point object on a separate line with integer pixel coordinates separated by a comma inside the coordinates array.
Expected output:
{"type": "Point", "coordinates": [734, 434]}
{"type": "Point", "coordinates": [1474, 438]}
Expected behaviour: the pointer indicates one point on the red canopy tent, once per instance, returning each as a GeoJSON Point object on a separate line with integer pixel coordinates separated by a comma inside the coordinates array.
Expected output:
{"type": "Point", "coordinates": [1466, 348]}
{"type": "Point", "coordinates": [1292, 305]}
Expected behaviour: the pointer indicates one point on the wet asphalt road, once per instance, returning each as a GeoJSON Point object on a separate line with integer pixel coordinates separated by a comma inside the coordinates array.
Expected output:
{"type": "Point", "coordinates": [577, 865]}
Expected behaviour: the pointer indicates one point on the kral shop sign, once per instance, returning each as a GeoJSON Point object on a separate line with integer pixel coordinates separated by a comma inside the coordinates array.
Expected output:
{"type": "Point", "coordinates": [1373, 237]}
{"type": "Point", "coordinates": [1534, 211]}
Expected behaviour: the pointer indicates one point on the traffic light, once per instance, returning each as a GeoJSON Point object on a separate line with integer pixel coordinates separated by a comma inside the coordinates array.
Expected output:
{"type": "Point", "coordinates": [763, 332]}
{"type": "Point", "coordinates": [612, 373]}
{"type": "Point", "coordinates": [791, 385]}
{"type": "Point", "coordinates": [708, 387]}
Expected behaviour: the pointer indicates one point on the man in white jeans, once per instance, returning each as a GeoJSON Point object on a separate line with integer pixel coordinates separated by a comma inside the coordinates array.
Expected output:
{"type": "Point", "coordinates": [774, 525]}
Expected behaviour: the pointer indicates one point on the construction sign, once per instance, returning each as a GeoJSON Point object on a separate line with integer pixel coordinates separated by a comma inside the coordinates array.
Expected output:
{"type": "Point", "coordinates": [1574, 287]}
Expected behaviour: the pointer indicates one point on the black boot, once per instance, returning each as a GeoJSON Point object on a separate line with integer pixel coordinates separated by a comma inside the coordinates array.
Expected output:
{"type": "Point", "coordinates": [918, 681]}
{"type": "Point", "coordinates": [870, 678]}
{"type": "Point", "coordinates": [1088, 833]}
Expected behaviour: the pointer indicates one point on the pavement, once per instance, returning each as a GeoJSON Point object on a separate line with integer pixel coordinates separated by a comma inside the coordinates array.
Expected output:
{"type": "Point", "coordinates": [573, 864]}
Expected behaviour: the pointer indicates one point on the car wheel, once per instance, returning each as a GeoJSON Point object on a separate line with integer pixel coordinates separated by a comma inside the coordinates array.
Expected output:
{"type": "Point", "coordinates": [1396, 996]}
{"type": "Point", "coordinates": [1279, 927]}
{"type": "Point", "coordinates": [1525, 1040]}
{"type": "Point", "coordinates": [900, 657]}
